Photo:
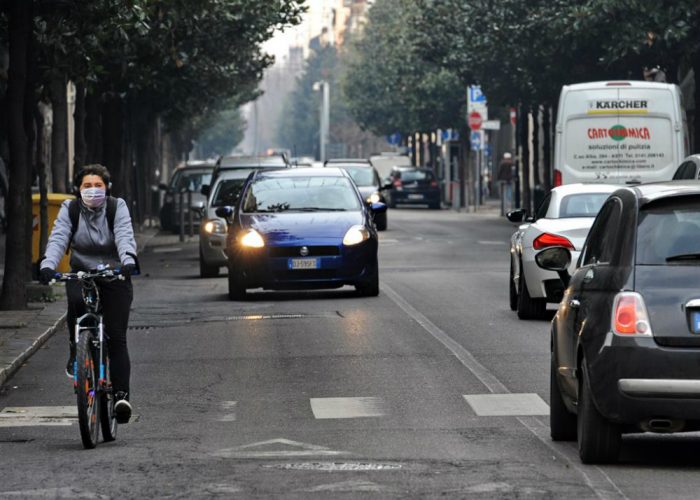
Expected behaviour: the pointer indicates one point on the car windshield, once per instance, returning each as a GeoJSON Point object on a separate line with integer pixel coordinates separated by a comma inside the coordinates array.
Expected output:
{"type": "Point", "coordinates": [416, 175]}
{"type": "Point", "coordinates": [227, 192]}
{"type": "Point", "coordinates": [582, 205]}
{"type": "Point", "coordinates": [301, 194]}
{"type": "Point", "coordinates": [669, 233]}
{"type": "Point", "coordinates": [362, 176]}
{"type": "Point", "coordinates": [190, 181]}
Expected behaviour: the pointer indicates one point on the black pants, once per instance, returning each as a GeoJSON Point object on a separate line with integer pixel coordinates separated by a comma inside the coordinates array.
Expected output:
{"type": "Point", "coordinates": [116, 297]}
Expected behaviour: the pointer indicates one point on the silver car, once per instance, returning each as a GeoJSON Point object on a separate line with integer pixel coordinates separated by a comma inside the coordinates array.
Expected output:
{"type": "Point", "coordinates": [212, 232]}
{"type": "Point", "coordinates": [189, 177]}
{"type": "Point", "coordinates": [563, 219]}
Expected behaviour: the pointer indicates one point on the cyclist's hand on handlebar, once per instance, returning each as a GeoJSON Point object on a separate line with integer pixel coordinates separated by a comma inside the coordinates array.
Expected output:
{"type": "Point", "coordinates": [128, 269]}
{"type": "Point", "coordinates": [46, 275]}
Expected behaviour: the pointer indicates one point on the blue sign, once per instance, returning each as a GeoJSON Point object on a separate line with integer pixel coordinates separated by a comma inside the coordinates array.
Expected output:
{"type": "Point", "coordinates": [450, 135]}
{"type": "Point", "coordinates": [476, 140]}
{"type": "Point", "coordinates": [488, 150]}
{"type": "Point", "coordinates": [476, 95]}
{"type": "Point", "coordinates": [394, 139]}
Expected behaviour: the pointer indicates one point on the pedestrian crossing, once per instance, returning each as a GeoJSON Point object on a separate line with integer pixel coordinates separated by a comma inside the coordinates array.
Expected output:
{"type": "Point", "coordinates": [327, 408]}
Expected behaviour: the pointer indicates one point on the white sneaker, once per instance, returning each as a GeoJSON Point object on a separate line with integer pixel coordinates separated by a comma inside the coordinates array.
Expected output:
{"type": "Point", "coordinates": [122, 408]}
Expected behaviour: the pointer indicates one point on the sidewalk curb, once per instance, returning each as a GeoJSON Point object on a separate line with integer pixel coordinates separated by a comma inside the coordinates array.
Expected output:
{"type": "Point", "coordinates": [7, 372]}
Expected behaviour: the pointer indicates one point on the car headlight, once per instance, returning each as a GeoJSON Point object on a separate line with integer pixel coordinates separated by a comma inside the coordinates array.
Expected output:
{"type": "Point", "coordinates": [252, 239]}
{"type": "Point", "coordinates": [215, 227]}
{"type": "Point", "coordinates": [374, 198]}
{"type": "Point", "coordinates": [355, 235]}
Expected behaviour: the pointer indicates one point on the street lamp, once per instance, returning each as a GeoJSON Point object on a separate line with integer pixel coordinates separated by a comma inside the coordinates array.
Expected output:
{"type": "Point", "coordinates": [325, 120]}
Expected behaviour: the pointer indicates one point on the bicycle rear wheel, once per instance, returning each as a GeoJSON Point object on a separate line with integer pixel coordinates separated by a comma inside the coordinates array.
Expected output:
{"type": "Point", "coordinates": [108, 421]}
{"type": "Point", "coordinates": [87, 394]}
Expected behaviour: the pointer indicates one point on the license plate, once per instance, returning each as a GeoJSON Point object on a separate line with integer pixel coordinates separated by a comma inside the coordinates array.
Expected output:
{"type": "Point", "coordinates": [415, 196]}
{"type": "Point", "coordinates": [695, 321]}
{"type": "Point", "coordinates": [303, 264]}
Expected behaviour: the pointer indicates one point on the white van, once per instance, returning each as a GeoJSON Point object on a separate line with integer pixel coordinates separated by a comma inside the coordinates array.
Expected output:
{"type": "Point", "coordinates": [619, 132]}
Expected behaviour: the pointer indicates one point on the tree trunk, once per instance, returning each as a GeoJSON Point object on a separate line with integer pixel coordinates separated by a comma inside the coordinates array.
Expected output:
{"type": "Point", "coordinates": [112, 142]}
{"type": "Point", "coordinates": [59, 134]}
{"type": "Point", "coordinates": [14, 293]}
{"type": "Point", "coordinates": [40, 167]}
{"type": "Point", "coordinates": [536, 145]}
{"type": "Point", "coordinates": [695, 146]}
{"type": "Point", "coordinates": [524, 117]}
{"type": "Point", "coordinates": [93, 129]}
{"type": "Point", "coordinates": [547, 146]}
{"type": "Point", "coordinates": [80, 151]}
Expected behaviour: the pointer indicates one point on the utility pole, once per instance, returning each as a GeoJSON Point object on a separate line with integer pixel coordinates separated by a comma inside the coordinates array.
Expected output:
{"type": "Point", "coordinates": [325, 117]}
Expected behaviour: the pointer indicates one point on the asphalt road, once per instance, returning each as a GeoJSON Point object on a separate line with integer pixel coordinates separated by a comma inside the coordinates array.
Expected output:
{"type": "Point", "coordinates": [432, 389]}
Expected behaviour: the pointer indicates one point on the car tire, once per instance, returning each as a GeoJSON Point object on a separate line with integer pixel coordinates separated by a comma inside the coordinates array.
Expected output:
{"type": "Point", "coordinates": [529, 308]}
{"type": "Point", "coordinates": [380, 220]}
{"type": "Point", "coordinates": [206, 270]}
{"type": "Point", "coordinates": [392, 203]}
{"type": "Point", "coordinates": [562, 423]}
{"type": "Point", "coordinates": [512, 292]}
{"type": "Point", "coordinates": [369, 287]}
{"type": "Point", "coordinates": [236, 286]}
{"type": "Point", "coordinates": [598, 439]}
{"type": "Point", "coordinates": [166, 223]}
{"type": "Point", "coordinates": [435, 206]}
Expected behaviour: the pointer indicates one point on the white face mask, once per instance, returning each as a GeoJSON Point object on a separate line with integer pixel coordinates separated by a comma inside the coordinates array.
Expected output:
{"type": "Point", "coordinates": [93, 197]}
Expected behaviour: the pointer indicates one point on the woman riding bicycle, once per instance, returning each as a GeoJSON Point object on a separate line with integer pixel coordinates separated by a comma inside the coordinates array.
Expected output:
{"type": "Point", "coordinates": [99, 232]}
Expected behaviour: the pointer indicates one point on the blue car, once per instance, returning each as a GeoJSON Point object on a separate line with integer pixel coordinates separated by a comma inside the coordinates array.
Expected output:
{"type": "Point", "coordinates": [301, 228]}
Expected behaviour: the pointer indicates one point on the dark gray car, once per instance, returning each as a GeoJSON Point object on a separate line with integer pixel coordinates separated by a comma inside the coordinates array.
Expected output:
{"type": "Point", "coordinates": [626, 338]}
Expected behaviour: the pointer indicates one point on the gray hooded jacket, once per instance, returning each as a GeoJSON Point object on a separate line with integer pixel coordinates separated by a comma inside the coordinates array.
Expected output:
{"type": "Point", "coordinates": [93, 243]}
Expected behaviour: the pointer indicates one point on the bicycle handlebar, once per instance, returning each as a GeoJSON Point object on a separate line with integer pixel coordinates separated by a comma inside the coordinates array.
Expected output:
{"type": "Point", "coordinates": [109, 274]}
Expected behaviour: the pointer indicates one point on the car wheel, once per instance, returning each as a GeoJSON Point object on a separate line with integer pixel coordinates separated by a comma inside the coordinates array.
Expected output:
{"type": "Point", "coordinates": [205, 270]}
{"type": "Point", "coordinates": [236, 286]}
{"type": "Point", "coordinates": [512, 292]}
{"type": "Point", "coordinates": [380, 220]}
{"type": "Point", "coordinates": [166, 223]}
{"type": "Point", "coordinates": [369, 287]}
{"type": "Point", "coordinates": [598, 439]}
{"type": "Point", "coordinates": [529, 308]}
{"type": "Point", "coordinates": [435, 206]}
{"type": "Point", "coordinates": [562, 423]}
{"type": "Point", "coordinates": [392, 203]}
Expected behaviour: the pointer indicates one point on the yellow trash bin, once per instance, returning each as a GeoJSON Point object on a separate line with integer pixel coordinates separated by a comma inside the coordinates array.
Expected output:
{"type": "Point", "coordinates": [54, 205]}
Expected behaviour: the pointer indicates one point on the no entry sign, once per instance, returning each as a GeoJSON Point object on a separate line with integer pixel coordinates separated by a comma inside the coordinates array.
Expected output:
{"type": "Point", "coordinates": [475, 120]}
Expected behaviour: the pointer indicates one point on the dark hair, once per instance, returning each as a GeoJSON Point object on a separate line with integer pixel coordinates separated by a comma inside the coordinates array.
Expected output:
{"type": "Point", "coordinates": [93, 169]}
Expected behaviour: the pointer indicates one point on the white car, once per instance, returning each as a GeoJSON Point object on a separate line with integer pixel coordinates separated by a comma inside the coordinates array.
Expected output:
{"type": "Point", "coordinates": [212, 232]}
{"type": "Point", "coordinates": [563, 219]}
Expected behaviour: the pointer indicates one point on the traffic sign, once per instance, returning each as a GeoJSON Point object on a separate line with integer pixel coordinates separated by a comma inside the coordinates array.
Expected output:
{"type": "Point", "coordinates": [513, 116]}
{"type": "Point", "coordinates": [394, 139]}
{"type": "Point", "coordinates": [475, 120]}
{"type": "Point", "coordinates": [491, 125]}
{"type": "Point", "coordinates": [476, 140]}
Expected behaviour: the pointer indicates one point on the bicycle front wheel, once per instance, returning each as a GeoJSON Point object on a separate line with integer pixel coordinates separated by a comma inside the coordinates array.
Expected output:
{"type": "Point", "coordinates": [87, 393]}
{"type": "Point", "coordinates": [108, 421]}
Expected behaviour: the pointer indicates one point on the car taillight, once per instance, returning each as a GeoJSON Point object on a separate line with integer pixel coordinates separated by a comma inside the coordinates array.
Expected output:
{"type": "Point", "coordinates": [433, 183]}
{"type": "Point", "coordinates": [546, 240]}
{"type": "Point", "coordinates": [557, 178]}
{"type": "Point", "coordinates": [398, 184]}
{"type": "Point", "coordinates": [630, 315]}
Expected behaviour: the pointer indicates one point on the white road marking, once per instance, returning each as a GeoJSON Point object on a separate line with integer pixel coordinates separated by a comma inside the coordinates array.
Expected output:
{"type": "Point", "coordinates": [601, 487]}
{"type": "Point", "coordinates": [31, 416]}
{"type": "Point", "coordinates": [166, 249]}
{"type": "Point", "coordinates": [387, 241]}
{"type": "Point", "coordinates": [348, 486]}
{"type": "Point", "coordinates": [499, 243]}
{"type": "Point", "coordinates": [53, 493]}
{"type": "Point", "coordinates": [292, 449]}
{"type": "Point", "coordinates": [326, 408]}
{"type": "Point", "coordinates": [508, 405]}
{"type": "Point", "coordinates": [230, 409]}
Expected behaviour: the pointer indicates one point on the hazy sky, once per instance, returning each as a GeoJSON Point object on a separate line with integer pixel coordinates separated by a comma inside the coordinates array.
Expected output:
{"type": "Point", "coordinates": [312, 21]}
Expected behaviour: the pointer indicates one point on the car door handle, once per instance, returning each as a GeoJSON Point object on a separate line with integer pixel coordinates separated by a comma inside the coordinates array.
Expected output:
{"type": "Point", "coordinates": [574, 304]}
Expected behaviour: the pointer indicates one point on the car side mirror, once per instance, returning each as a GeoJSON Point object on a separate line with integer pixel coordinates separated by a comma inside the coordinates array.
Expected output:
{"type": "Point", "coordinates": [198, 207]}
{"type": "Point", "coordinates": [224, 212]}
{"type": "Point", "coordinates": [556, 259]}
{"type": "Point", "coordinates": [517, 216]}
{"type": "Point", "coordinates": [378, 208]}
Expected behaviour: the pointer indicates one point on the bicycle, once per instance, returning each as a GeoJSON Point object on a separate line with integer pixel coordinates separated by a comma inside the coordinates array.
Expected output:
{"type": "Point", "coordinates": [91, 371]}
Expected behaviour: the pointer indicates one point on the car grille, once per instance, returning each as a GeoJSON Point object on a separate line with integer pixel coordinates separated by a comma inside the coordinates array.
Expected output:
{"type": "Point", "coordinates": [314, 251]}
{"type": "Point", "coordinates": [306, 274]}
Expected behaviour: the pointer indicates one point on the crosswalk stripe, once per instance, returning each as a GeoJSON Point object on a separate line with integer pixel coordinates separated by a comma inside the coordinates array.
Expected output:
{"type": "Point", "coordinates": [331, 408]}
{"type": "Point", "coordinates": [507, 405]}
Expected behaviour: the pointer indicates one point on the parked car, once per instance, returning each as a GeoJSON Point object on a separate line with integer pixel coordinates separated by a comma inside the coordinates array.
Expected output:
{"type": "Point", "coordinates": [563, 219]}
{"type": "Point", "coordinates": [212, 232]}
{"type": "Point", "coordinates": [189, 177]}
{"type": "Point", "coordinates": [366, 178]}
{"type": "Point", "coordinates": [413, 185]}
{"type": "Point", "coordinates": [298, 229]}
{"type": "Point", "coordinates": [626, 338]}
{"type": "Point", "coordinates": [234, 162]}
{"type": "Point", "coordinates": [689, 169]}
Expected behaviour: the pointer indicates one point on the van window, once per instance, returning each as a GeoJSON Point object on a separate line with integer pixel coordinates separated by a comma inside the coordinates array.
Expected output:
{"type": "Point", "coordinates": [668, 233]}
